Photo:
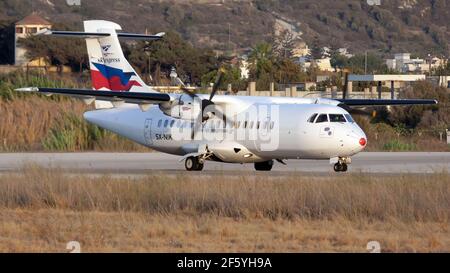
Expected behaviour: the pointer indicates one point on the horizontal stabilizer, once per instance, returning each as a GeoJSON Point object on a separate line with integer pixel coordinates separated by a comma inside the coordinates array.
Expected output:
{"type": "Point", "coordinates": [79, 34]}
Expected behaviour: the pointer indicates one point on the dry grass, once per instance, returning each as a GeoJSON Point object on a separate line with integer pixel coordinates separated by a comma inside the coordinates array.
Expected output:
{"type": "Point", "coordinates": [37, 124]}
{"type": "Point", "coordinates": [42, 210]}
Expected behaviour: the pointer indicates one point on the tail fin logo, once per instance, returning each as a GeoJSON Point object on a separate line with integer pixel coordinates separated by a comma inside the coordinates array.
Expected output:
{"type": "Point", "coordinates": [112, 78]}
{"type": "Point", "coordinates": [106, 48]}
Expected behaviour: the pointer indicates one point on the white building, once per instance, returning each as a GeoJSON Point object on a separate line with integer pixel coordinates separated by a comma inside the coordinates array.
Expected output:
{"type": "Point", "coordinates": [25, 27]}
{"type": "Point", "coordinates": [344, 52]}
{"type": "Point", "coordinates": [244, 67]}
{"type": "Point", "coordinates": [402, 62]}
{"type": "Point", "coordinates": [300, 49]}
{"type": "Point", "coordinates": [323, 64]}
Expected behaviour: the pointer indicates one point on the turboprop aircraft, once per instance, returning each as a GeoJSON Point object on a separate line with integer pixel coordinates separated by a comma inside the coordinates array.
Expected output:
{"type": "Point", "coordinates": [201, 127]}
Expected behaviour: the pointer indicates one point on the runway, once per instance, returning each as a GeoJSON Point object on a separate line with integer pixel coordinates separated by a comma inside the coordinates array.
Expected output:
{"type": "Point", "coordinates": [145, 163]}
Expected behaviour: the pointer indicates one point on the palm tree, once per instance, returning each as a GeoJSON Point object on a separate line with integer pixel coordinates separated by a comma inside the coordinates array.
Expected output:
{"type": "Point", "coordinates": [261, 59]}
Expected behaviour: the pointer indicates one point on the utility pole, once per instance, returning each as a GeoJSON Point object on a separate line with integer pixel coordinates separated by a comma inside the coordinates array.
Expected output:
{"type": "Point", "coordinates": [429, 68]}
{"type": "Point", "coordinates": [365, 63]}
{"type": "Point", "coordinates": [229, 37]}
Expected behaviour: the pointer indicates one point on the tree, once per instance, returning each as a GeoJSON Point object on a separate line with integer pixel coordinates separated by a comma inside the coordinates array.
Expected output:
{"type": "Point", "coordinates": [436, 117]}
{"type": "Point", "coordinates": [288, 72]}
{"type": "Point", "coordinates": [338, 61]}
{"type": "Point", "coordinates": [375, 64]}
{"type": "Point", "coordinates": [231, 75]}
{"type": "Point", "coordinates": [283, 44]}
{"type": "Point", "coordinates": [261, 60]}
{"type": "Point", "coordinates": [6, 43]}
{"type": "Point", "coordinates": [442, 70]}
{"type": "Point", "coordinates": [67, 51]}
{"type": "Point", "coordinates": [316, 50]}
{"type": "Point", "coordinates": [173, 51]}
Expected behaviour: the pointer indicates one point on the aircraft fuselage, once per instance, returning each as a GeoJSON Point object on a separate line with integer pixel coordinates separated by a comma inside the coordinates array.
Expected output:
{"type": "Point", "coordinates": [258, 133]}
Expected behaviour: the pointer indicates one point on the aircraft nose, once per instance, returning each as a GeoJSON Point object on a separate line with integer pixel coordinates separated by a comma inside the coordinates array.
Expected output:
{"type": "Point", "coordinates": [356, 140]}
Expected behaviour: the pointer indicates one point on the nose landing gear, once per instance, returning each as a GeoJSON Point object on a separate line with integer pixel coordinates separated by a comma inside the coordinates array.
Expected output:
{"type": "Point", "coordinates": [341, 163]}
{"type": "Point", "coordinates": [340, 167]}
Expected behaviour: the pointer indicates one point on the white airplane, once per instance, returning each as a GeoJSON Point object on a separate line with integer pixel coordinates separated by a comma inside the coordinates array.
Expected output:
{"type": "Point", "coordinates": [199, 127]}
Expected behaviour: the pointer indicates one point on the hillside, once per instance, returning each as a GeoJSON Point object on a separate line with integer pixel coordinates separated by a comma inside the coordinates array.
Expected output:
{"type": "Point", "coordinates": [395, 26]}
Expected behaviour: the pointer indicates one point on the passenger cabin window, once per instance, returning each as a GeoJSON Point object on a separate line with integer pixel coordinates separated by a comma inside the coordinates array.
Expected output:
{"type": "Point", "coordinates": [322, 118]}
{"type": "Point", "coordinates": [312, 118]}
{"type": "Point", "coordinates": [159, 123]}
{"type": "Point", "coordinates": [337, 118]}
{"type": "Point", "coordinates": [349, 118]}
{"type": "Point", "coordinates": [166, 122]}
{"type": "Point", "coordinates": [172, 123]}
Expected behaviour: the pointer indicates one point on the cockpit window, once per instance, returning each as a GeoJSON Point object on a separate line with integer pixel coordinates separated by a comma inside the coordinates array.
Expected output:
{"type": "Point", "coordinates": [349, 118]}
{"type": "Point", "coordinates": [337, 118]}
{"type": "Point", "coordinates": [322, 118]}
{"type": "Point", "coordinates": [312, 118]}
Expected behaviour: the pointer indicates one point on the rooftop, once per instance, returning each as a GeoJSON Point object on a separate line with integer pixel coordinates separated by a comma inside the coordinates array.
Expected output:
{"type": "Point", "coordinates": [33, 19]}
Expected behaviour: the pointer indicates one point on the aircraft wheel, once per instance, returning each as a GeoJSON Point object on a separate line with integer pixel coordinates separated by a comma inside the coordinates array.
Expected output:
{"type": "Point", "coordinates": [192, 164]}
{"type": "Point", "coordinates": [340, 167]}
{"type": "Point", "coordinates": [344, 167]}
{"type": "Point", "coordinates": [264, 166]}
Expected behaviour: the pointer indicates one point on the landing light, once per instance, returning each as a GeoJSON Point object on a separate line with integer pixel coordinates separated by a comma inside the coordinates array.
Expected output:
{"type": "Point", "coordinates": [248, 155]}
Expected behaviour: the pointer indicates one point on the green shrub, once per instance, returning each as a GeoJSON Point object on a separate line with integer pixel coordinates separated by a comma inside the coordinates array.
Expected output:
{"type": "Point", "coordinates": [397, 145]}
{"type": "Point", "coordinates": [72, 133]}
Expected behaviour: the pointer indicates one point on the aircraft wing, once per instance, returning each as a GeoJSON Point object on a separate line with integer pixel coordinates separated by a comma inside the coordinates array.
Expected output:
{"type": "Point", "coordinates": [382, 102]}
{"type": "Point", "coordinates": [141, 98]}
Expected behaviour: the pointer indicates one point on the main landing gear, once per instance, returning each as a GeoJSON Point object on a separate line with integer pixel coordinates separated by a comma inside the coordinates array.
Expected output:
{"type": "Point", "coordinates": [264, 166]}
{"type": "Point", "coordinates": [193, 163]}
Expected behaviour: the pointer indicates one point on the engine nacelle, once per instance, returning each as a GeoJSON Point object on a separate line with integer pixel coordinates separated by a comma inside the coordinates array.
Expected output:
{"type": "Point", "coordinates": [185, 107]}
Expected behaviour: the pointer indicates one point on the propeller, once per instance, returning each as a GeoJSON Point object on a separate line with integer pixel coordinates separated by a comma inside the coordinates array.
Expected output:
{"type": "Point", "coordinates": [209, 106]}
{"type": "Point", "coordinates": [205, 104]}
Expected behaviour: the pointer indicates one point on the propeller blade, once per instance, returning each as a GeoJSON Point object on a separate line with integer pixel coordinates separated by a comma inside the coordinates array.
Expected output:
{"type": "Point", "coordinates": [281, 161]}
{"type": "Point", "coordinates": [217, 83]}
{"type": "Point", "coordinates": [197, 124]}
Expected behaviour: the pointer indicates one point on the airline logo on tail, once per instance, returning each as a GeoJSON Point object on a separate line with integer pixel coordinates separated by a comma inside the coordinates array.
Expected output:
{"type": "Point", "coordinates": [112, 78]}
